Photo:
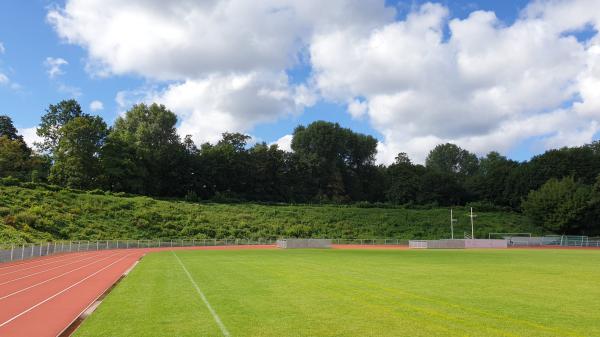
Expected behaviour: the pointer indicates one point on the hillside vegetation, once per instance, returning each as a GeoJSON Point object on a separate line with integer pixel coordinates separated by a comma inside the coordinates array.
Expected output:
{"type": "Point", "coordinates": [142, 154]}
{"type": "Point", "coordinates": [40, 213]}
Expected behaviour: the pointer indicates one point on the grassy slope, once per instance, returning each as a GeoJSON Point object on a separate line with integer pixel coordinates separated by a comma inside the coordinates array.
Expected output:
{"type": "Point", "coordinates": [357, 293]}
{"type": "Point", "coordinates": [30, 214]}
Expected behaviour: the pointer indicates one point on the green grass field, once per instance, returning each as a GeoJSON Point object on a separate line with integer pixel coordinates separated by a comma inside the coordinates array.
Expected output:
{"type": "Point", "coordinates": [357, 293]}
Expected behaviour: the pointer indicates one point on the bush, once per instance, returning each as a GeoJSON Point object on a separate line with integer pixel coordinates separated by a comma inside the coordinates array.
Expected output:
{"type": "Point", "coordinates": [559, 205]}
{"type": "Point", "coordinates": [64, 215]}
{"type": "Point", "coordinates": [9, 181]}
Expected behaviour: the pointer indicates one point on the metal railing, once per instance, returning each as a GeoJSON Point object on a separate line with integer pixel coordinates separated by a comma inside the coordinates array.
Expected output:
{"type": "Point", "coordinates": [15, 252]}
{"type": "Point", "coordinates": [553, 240]}
{"type": "Point", "coordinates": [370, 242]}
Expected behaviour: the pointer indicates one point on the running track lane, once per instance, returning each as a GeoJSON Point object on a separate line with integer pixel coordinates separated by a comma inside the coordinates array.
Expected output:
{"type": "Point", "coordinates": [47, 309]}
{"type": "Point", "coordinates": [43, 296]}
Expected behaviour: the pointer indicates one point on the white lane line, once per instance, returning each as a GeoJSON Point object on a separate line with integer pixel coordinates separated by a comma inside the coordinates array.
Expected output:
{"type": "Point", "coordinates": [36, 259]}
{"type": "Point", "coordinates": [71, 257]}
{"type": "Point", "coordinates": [210, 308]}
{"type": "Point", "coordinates": [47, 270]}
{"type": "Point", "coordinates": [54, 278]}
{"type": "Point", "coordinates": [60, 292]}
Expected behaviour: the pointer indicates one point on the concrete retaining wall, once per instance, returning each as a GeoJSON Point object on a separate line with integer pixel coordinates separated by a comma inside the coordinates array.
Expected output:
{"type": "Point", "coordinates": [304, 243]}
{"type": "Point", "coordinates": [460, 244]}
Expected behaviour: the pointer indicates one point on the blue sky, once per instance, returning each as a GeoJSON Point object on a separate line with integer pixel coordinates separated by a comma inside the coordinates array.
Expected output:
{"type": "Point", "coordinates": [29, 38]}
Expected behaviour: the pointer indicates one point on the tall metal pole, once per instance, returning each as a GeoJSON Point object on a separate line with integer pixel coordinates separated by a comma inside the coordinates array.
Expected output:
{"type": "Point", "coordinates": [451, 224]}
{"type": "Point", "coordinates": [472, 227]}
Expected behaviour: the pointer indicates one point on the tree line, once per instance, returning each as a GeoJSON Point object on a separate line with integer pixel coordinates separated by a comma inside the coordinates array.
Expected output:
{"type": "Point", "coordinates": [143, 154]}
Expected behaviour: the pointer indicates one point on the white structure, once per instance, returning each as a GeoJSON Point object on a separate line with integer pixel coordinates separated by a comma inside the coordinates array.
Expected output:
{"type": "Point", "coordinates": [304, 243]}
{"type": "Point", "coordinates": [458, 244]}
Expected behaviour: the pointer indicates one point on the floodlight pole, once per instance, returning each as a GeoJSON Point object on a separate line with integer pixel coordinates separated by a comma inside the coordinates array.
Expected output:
{"type": "Point", "coordinates": [452, 220]}
{"type": "Point", "coordinates": [472, 226]}
{"type": "Point", "coordinates": [451, 224]}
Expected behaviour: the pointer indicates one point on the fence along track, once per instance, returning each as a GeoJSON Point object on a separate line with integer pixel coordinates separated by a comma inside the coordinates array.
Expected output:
{"type": "Point", "coordinates": [15, 252]}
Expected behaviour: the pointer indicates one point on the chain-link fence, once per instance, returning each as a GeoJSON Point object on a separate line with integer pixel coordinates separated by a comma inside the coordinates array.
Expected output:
{"type": "Point", "coordinates": [13, 252]}
{"type": "Point", "coordinates": [552, 240]}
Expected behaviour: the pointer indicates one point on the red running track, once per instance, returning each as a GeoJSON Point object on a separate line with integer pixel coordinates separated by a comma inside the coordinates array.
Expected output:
{"type": "Point", "coordinates": [43, 296]}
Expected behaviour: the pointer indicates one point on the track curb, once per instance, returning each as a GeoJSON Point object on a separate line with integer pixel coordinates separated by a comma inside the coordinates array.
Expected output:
{"type": "Point", "coordinates": [72, 327]}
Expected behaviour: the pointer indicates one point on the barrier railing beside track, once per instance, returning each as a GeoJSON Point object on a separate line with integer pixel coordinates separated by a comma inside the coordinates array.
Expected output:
{"type": "Point", "coordinates": [552, 240]}
{"type": "Point", "coordinates": [372, 242]}
{"type": "Point", "coordinates": [14, 252]}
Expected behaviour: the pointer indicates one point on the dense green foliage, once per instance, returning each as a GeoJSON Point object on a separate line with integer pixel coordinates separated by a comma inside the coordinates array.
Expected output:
{"type": "Point", "coordinates": [143, 154]}
{"type": "Point", "coordinates": [41, 213]}
{"type": "Point", "coordinates": [560, 205]}
{"type": "Point", "coordinates": [422, 293]}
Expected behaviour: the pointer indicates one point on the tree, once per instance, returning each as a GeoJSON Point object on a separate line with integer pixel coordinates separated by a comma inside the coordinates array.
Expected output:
{"type": "Point", "coordinates": [337, 157]}
{"type": "Point", "coordinates": [8, 130]}
{"type": "Point", "coordinates": [56, 116]}
{"type": "Point", "coordinates": [159, 156]}
{"type": "Point", "coordinates": [491, 180]}
{"type": "Point", "coordinates": [76, 156]}
{"type": "Point", "coordinates": [451, 159]}
{"type": "Point", "coordinates": [404, 180]}
{"type": "Point", "coordinates": [268, 166]}
{"type": "Point", "coordinates": [119, 171]}
{"type": "Point", "coordinates": [14, 159]}
{"type": "Point", "coordinates": [560, 206]}
{"type": "Point", "coordinates": [440, 188]}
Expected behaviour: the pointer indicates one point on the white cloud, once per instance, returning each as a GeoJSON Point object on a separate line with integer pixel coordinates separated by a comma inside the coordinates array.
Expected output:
{"type": "Point", "coordinates": [4, 80]}
{"type": "Point", "coordinates": [426, 79]}
{"type": "Point", "coordinates": [30, 136]}
{"type": "Point", "coordinates": [235, 103]}
{"type": "Point", "coordinates": [357, 108]}
{"type": "Point", "coordinates": [482, 86]}
{"type": "Point", "coordinates": [72, 91]}
{"type": "Point", "coordinates": [54, 66]}
{"type": "Point", "coordinates": [224, 61]}
{"type": "Point", "coordinates": [96, 106]}
{"type": "Point", "coordinates": [182, 39]}
{"type": "Point", "coordinates": [285, 142]}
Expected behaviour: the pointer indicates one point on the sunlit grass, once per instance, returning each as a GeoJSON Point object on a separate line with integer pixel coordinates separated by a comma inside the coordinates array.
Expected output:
{"type": "Point", "coordinates": [358, 293]}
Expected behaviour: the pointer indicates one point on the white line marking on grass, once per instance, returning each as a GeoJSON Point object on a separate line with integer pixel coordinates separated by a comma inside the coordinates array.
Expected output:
{"type": "Point", "coordinates": [210, 308]}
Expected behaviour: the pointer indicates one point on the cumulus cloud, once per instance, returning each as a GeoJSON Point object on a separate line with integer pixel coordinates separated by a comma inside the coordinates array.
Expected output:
{"type": "Point", "coordinates": [235, 103]}
{"type": "Point", "coordinates": [4, 79]}
{"type": "Point", "coordinates": [486, 86]}
{"type": "Point", "coordinates": [30, 136]}
{"type": "Point", "coordinates": [96, 105]}
{"type": "Point", "coordinates": [181, 39]}
{"type": "Point", "coordinates": [224, 62]}
{"type": "Point", "coordinates": [419, 81]}
{"type": "Point", "coordinates": [2, 49]}
{"type": "Point", "coordinates": [54, 66]}
{"type": "Point", "coordinates": [284, 143]}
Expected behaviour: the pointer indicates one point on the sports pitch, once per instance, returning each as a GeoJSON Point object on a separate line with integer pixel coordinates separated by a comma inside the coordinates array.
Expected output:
{"type": "Point", "coordinates": [355, 293]}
